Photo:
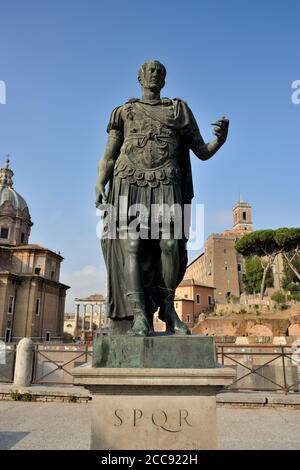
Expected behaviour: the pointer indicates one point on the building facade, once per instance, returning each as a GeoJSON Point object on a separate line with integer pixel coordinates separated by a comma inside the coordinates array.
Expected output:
{"type": "Point", "coordinates": [192, 298]}
{"type": "Point", "coordinates": [32, 300]}
{"type": "Point", "coordinates": [221, 265]}
{"type": "Point", "coordinates": [90, 318]}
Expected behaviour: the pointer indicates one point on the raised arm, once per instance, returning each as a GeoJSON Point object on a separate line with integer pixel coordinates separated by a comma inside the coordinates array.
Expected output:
{"type": "Point", "coordinates": [106, 164]}
{"type": "Point", "coordinates": [205, 151]}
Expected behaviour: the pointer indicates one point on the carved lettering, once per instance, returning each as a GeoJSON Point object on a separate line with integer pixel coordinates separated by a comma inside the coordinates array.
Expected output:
{"type": "Point", "coordinates": [137, 414]}
{"type": "Point", "coordinates": [183, 414]}
{"type": "Point", "coordinates": [119, 418]}
{"type": "Point", "coordinates": [159, 418]}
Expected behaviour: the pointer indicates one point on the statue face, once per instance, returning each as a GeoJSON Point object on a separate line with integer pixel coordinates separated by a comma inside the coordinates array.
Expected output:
{"type": "Point", "coordinates": [152, 77]}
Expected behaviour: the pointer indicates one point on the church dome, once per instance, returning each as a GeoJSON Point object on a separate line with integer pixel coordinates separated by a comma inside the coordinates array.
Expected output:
{"type": "Point", "coordinates": [9, 194]}
{"type": "Point", "coordinates": [15, 220]}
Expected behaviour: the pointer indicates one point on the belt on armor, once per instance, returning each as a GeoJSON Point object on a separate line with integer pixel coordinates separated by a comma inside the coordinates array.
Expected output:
{"type": "Point", "coordinates": [161, 140]}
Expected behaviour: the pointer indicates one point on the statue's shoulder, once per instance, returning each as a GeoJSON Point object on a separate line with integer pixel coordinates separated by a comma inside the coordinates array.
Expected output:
{"type": "Point", "coordinates": [117, 110]}
{"type": "Point", "coordinates": [180, 100]}
{"type": "Point", "coordinates": [131, 101]}
{"type": "Point", "coordinates": [115, 120]}
{"type": "Point", "coordinates": [128, 104]}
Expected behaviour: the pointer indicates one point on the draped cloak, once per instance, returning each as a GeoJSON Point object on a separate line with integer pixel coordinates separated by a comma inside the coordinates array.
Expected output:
{"type": "Point", "coordinates": [183, 123]}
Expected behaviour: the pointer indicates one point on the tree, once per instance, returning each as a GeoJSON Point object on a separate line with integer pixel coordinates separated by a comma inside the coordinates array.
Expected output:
{"type": "Point", "coordinates": [288, 239]}
{"type": "Point", "coordinates": [253, 275]}
{"type": "Point", "coordinates": [290, 281]}
{"type": "Point", "coordinates": [261, 243]}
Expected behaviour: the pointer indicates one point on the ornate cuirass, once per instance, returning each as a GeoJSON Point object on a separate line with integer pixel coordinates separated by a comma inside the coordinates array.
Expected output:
{"type": "Point", "coordinates": [149, 154]}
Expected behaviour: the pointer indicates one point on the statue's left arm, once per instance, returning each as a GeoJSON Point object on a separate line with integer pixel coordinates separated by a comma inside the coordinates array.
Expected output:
{"type": "Point", "coordinates": [203, 150]}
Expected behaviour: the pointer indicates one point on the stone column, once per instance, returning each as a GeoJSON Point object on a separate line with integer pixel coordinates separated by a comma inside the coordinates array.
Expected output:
{"type": "Point", "coordinates": [24, 363]}
{"type": "Point", "coordinates": [83, 318]}
{"type": "Point", "coordinates": [92, 318]}
{"type": "Point", "coordinates": [100, 316]}
{"type": "Point", "coordinates": [77, 316]}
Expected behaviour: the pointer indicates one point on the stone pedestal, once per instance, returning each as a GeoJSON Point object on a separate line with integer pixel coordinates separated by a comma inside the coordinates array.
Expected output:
{"type": "Point", "coordinates": [24, 363]}
{"type": "Point", "coordinates": [158, 408]}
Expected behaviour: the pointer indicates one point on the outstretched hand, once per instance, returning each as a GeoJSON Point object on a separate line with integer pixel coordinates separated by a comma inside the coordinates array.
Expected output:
{"type": "Point", "coordinates": [221, 131]}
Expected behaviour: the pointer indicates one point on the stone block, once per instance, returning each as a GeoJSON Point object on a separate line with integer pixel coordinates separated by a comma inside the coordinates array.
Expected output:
{"type": "Point", "coordinates": [174, 352]}
{"type": "Point", "coordinates": [143, 409]}
{"type": "Point", "coordinates": [242, 340]}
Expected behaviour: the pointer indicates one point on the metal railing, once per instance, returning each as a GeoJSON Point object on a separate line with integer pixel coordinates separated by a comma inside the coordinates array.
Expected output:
{"type": "Point", "coordinates": [262, 368]}
{"type": "Point", "coordinates": [53, 363]}
{"type": "Point", "coordinates": [258, 367]}
{"type": "Point", "coordinates": [7, 365]}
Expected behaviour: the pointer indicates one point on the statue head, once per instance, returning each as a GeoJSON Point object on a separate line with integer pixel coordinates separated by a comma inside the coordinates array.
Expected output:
{"type": "Point", "coordinates": [152, 75]}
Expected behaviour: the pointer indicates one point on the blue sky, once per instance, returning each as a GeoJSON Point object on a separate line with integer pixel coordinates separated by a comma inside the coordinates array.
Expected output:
{"type": "Point", "coordinates": [68, 63]}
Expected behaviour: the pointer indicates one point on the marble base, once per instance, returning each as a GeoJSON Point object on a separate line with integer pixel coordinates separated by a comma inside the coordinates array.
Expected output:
{"type": "Point", "coordinates": [158, 409]}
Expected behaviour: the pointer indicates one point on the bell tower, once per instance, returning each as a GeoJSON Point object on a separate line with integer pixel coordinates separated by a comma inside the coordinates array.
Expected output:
{"type": "Point", "coordinates": [242, 218]}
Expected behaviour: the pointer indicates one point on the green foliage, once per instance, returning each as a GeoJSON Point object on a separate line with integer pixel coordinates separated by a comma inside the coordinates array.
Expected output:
{"type": "Point", "coordinates": [287, 238]}
{"type": "Point", "coordinates": [295, 297]}
{"type": "Point", "coordinates": [259, 243]}
{"type": "Point", "coordinates": [253, 275]}
{"type": "Point", "coordinates": [17, 396]}
{"type": "Point", "coordinates": [266, 244]}
{"type": "Point", "coordinates": [72, 399]}
{"type": "Point", "coordinates": [290, 281]}
{"type": "Point", "coordinates": [278, 297]}
{"type": "Point", "coordinates": [289, 241]}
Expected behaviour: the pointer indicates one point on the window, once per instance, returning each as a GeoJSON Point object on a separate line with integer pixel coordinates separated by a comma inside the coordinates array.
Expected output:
{"type": "Point", "coordinates": [52, 275]}
{"type": "Point", "coordinates": [225, 250]}
{"type": "Point", "coordinates": [4, 232]}
{"type": "Point", "coordinates": [185, 296]}
{"type": "Point", "coordinates": [239, 266]}
{"type": "Point", "coordinates": [198, 301]}
{"type": "Point", "coordinates": [37, 307]}
{"type": "Point", "coordinates": [48, 335]}
{"type": "Point", "coordinates": [188, 319]}
{"type": "Point", "coordinates": [226, 268]}
{"type": "Point", "coordinates": [176, 304]}
{"type": "Point", "coordinates": [244, 215]}
{"type": "Point", "coordinates": [11, 304]}
{"type": "Point", "coordinates": [37, 271]}
{"type": "Point", "coordinates": [8, 335]}
{"type": "Point", "coordinates": [22, 237]}
{"type": "Point", "coordinates": [209, 298]}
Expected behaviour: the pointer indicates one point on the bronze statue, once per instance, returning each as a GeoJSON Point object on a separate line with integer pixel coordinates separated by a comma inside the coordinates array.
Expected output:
{"type": "Point", "coordinates": [146, 162]}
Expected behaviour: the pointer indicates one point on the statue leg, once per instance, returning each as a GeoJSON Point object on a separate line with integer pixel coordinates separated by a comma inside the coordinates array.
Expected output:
{"type": "Point", "coordinates": [170, 265]}
{"type": "Point", "coordinates": [134, 287]}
